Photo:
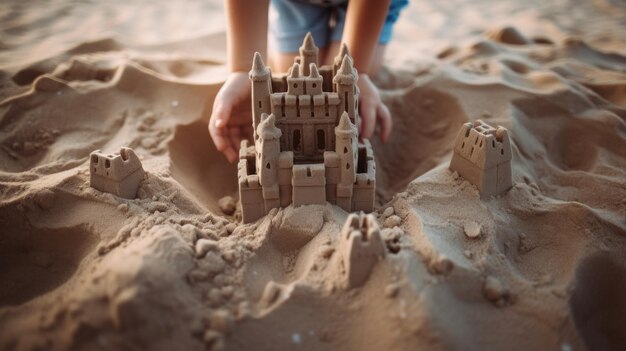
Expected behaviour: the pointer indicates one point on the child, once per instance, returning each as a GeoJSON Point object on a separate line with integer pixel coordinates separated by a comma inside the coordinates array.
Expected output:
{"type": "Point", "coordinates": [364, 25]}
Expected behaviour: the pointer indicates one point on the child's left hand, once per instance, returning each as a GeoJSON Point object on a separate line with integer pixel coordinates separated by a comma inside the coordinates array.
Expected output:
{"type": "Point", "coordinates": [372, 110]}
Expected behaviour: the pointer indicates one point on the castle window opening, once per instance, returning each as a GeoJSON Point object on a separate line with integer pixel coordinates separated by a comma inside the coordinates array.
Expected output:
{"type": "Point", "coordinates": [260, 104]}
{"type": "Point", "coordinates": [314, 85]}
{"type": "Point", "coordinates": [345, 150]}
{"type": "Point", "coordinates": [268, 166]}
{"type": "Point", "coordinates": [361, 166]}
{"type": "Point", "coordinates": [296, 140]}
{"type": "Point", "coordinates": [346, 101]}
{"type": "Point", "coordinates": [321, 139]}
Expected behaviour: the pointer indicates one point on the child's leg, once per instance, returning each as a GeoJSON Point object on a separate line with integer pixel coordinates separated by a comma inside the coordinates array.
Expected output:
{"type": "Point", "coordinates": [289, 23]}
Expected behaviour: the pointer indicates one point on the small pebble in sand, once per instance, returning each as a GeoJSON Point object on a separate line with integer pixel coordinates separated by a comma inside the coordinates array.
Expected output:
{"type": "Point", "coordinates": [392, 221]}
{"type": "Point", "coordinates": [204, 245]}
{"type": "Point", "coordinates": [441, 265]}
{"type": "Point", "coordinates": [472, 229]}
{"type": "Point", "coordinates": [212, 263]}
{"type": "Point", "coordinates": [227, 204]}
{"type": "Point", "coordinates": [154, 198]}
{"type": "Point", "coordinates": [222, 321]}
{"type": "Point", "coordinates": [175, 103]}
{"type": "Point", "coordinates": [392, 290]}
{"type": "Point", "coordinates": [230, 227]}
{"type": "Point", "coordinates": [388, 212]}
{"type": "Point", "coordinates": [493, 289]}
{"type": "Point", "coordinates": [122, 207]}
{"type": "Point", "coordinates": [468, 254]}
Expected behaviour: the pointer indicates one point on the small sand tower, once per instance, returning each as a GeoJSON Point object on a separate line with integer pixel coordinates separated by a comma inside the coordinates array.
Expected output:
{"type": "Point", "coordinates": [482, 155]}
{"type": "Point", "coordinates": [360, 247]}
{"type": "Point", "coordinates": [118, 174]}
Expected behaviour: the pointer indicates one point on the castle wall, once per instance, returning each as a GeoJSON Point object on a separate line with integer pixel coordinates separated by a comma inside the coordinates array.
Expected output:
{"type": "Point", "coordinates": [250, 194]}
{"type": "Point", "coordinates": [327, 75]}
{"type": "Point", "coordinates": [285, 165]}
{"type": "Point", "coordinates": [331, 164]}
{"type": "Point", "coordinates": [309, 184]}
{"type": "Point", "coordinates": [364, 191]}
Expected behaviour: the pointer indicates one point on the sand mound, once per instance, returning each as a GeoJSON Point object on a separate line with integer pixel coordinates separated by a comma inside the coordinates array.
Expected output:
{"type": "Point", "coordinates": [540, 267]}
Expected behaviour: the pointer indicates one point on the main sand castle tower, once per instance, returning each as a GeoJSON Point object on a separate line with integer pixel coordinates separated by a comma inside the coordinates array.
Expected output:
{"type": "Point", "coordinates": [306, 143]}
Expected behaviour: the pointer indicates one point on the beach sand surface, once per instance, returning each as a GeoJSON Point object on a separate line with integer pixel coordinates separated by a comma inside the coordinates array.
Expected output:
{"type": "Point", "coordinates": [541, 267]}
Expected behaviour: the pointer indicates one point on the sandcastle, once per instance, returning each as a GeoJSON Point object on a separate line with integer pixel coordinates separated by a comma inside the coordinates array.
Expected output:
{"type": "Point", "coordinates": [118, 174]}
{"type": "Point", "coordinates": [361, 247]}
{"type": "Point", "coordinates": [482, 155]}
{"type": "Point", "coordinates": [306, 143]}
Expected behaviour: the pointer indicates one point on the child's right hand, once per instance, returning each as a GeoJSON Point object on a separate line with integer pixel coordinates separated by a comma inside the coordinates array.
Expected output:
{"type": "Point", "coordinates": [231, 118]}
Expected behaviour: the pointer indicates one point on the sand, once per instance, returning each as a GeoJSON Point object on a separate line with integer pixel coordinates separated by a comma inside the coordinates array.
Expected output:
{"type": "Point", "coordinates": [542, 267]}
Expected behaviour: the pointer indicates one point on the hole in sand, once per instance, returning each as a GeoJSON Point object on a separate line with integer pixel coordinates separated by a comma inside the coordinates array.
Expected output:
{"type": "Point", "coordinates": [34, 261]}
{"type": "Point", "coordinates": [408, 154]}
{"type": "Point", "coordinates": [598, 304]}
{"type": "Point", "coordinates": [202, 170]}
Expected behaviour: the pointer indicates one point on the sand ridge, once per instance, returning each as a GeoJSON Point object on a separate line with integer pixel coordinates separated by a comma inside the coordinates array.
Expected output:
{"type": "Point", "coordinates": [540, 267]}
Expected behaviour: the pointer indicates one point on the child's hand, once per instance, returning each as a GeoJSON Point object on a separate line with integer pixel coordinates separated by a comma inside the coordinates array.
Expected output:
{"type": "Point", "coordinates": [231, 118]}
{"type": "Point", "coordinates": [372, 109]}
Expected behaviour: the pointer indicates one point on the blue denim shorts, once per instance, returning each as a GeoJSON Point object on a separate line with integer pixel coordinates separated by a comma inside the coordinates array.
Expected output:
{"type": "Point", "coordinates": [290, 20]}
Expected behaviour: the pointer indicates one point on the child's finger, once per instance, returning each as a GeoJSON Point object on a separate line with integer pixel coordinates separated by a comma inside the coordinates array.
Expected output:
{"type": "Point", "coordinates": [217, 122]}
{"type": "Point", "coordinates": [368, 114]}
{"type": "Point", "coordinates": [235, 138]}
{"type": "Point", "coordinates": [385, 122]}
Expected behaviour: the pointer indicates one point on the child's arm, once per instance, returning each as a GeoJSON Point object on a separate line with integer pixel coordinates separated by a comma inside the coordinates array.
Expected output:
{"type": "Point", "coordinates": [364, 22]}
{"type": "Point", "coordinates": [231, 115]}
{"type": "Point", "coordinates": [246, 32]}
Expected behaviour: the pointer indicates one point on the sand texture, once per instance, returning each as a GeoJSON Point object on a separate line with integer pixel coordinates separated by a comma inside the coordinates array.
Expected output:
{"type": "Point", "coordinates": [542, 267]}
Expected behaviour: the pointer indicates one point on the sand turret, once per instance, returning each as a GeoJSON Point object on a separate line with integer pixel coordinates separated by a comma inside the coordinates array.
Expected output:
{"type": "Point", "coordinates": [346, 148]}
{"type": "Point", "coordinates": [308, 53]}
{"type": "Point", "coordinates": [345, 85]}
{"type": "Point", "coordinates": [261, 90]}
{"type": "Point", "coordinates": [361, 247]}
{"type": "Point", "coordinates": [343, 52]}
